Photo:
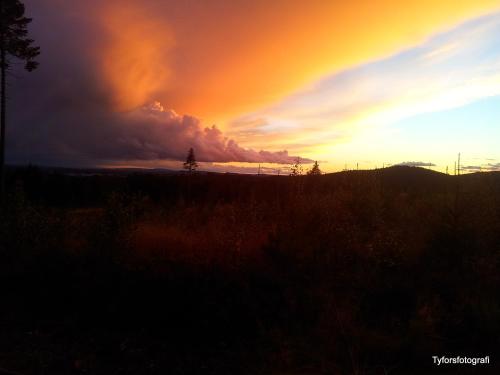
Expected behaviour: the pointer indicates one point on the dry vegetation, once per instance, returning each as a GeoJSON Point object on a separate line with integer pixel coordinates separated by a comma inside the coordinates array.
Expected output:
{"type": "Point", "coordinates": [353, 273]}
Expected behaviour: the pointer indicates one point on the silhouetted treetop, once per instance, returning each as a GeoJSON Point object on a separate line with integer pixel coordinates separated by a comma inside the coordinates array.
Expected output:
{"type": "Point", "coordinates": [314, 170]}
{"type": "Point", "coordinates": [296, 168]}
{"type": "Point", "coordinates": [190, 163]}
{"type": "Point", "coordinates": [14, 42]}
{"type": "Point", "coordinates": [14, 39]}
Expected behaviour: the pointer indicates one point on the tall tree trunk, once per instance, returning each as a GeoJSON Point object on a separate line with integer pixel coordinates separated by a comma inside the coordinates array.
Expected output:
{"type": "Point", "coordinates": [3, 103]}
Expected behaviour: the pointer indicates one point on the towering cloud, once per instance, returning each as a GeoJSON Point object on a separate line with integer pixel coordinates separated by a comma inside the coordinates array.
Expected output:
{"type": "Point", "coordinates": [90, 135]}
{"type": "Point", "coordinates": [153, 133]}
{"type": "Point", "coordinates": [103, 61]}
{"type": "Point", "coordinates": [135, 53]}
{"type": "Point", "coordinates": [87, 104]}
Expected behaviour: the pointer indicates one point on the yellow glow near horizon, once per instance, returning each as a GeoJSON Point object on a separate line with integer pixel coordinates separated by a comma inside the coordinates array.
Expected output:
{"type": "Point", "coordinates": [222, 60]}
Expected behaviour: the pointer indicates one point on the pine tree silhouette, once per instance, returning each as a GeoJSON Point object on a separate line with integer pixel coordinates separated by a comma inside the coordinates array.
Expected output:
{"type": "Point", "coordinates": [14, 42]}
{"type": "Point", "coordinates": [190, 163]}
{"type": "Point", "coordinates": [314, 170]}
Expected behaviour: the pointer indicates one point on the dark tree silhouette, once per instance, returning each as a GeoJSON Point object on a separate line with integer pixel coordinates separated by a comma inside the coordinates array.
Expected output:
{"type": "Point", "coordinates": [296, 169]}
{"type": "Point", "coordinates": [314, 170]}
{"type": "Point", "coordinates": [190, 163]}
{"type": "Point", "coordinates": [14, 42]}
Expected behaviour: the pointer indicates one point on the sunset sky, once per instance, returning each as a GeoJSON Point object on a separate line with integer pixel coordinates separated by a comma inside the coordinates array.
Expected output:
{"type": "Point", "coordinates": [138, 82]}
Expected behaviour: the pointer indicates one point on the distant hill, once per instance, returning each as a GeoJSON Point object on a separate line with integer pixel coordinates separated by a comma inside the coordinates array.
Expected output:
{"type": "Point", "coordinates": [91, 186]}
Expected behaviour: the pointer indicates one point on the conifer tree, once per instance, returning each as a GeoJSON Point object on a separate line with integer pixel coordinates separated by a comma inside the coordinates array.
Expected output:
{"type": "Point", "coordinates": [14, 43]}
{"type": "Point", "coordinates": [190, 163]}
{"type": "Point", "coordinates": [314, 170]}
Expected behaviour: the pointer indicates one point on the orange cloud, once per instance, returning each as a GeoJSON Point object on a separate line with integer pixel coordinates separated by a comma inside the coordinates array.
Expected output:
{"type": "Point", "coordinates": [221, 58]}
{"type": "Point", "coordinates": [135, 58]}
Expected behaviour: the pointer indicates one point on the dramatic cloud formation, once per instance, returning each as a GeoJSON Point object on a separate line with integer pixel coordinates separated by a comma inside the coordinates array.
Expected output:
{"type": "Point", "coordinates": [68, 112]}
{"type": "Point", "coordinates": [135, 54]}
{"type": "Point", "coordinates": [147, 134]}
{"type": "Point", "coordinates": [103, 61]}
{"type": "Point", "coordinates": [220, 58]}
{"type": "Point", "coordinates": [155, 133]}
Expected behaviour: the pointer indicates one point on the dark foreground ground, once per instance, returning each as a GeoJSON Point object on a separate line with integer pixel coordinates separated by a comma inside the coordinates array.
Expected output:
{"type": "Point", "coordinates": [369, 272]}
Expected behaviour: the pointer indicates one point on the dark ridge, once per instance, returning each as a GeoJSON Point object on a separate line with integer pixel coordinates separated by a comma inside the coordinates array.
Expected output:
{"type": "Point", "coordinates": [167, 273]}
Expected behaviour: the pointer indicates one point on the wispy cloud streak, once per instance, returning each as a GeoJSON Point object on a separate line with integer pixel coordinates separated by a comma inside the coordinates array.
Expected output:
{"type": "Point", "coordinates": [449, 70]}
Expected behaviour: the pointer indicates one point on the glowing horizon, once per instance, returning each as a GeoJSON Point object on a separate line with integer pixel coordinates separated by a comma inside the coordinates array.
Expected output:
{"type": "Point", "coordinates": [339, 116]}
{"type": "Point", "coordinates": [358, 83]}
